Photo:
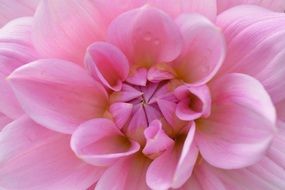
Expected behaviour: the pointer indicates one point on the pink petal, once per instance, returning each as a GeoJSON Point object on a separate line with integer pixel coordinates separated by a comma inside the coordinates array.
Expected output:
{"type": "Point", "coordinates": [12, 9]}
{"type": "Point", "coordinates": [241, 125]}
{"type": "Point", "coordinates": [157, 140]}
{"type": "Point", "coordinates": [207, 8]}
{"type": "Point", "coordinates": [108, 64]}
{"type": "Point", "coordinates": [263, 56]}
{"type": "Point", "coordinates": [58, 94]}
{"type": "Point", "coordinates": [138, 77]}
{"type": "Point", "coordinates": [15, 51]}
{"type": "Point", "coordinates": [276, 5]}
{"type": "Point", "coordinates": [204, 50]}
{"type": "Point", "coordinates": [33, 157]}
{"type": "Point", "coordinates": [126, 174]}
{"type": "Point", "coordinates": [121, 113]}
{"type": "Point", "coordinates": [175, 165]}
{"type": "Point", "coordinates": [65, 30]}
{"type": "Point", "coordinates": [4, 120]}
{"type": "Point", "coordinates": [146, 35]}
{"type": "Point", "coordinates": [100, 143]}
{"type": "Point", "coordinates": [194, 102]}
{"type": "Point", "coordinates": [156, 75]}
{"type": "Point", "coordinates": [126, 94]}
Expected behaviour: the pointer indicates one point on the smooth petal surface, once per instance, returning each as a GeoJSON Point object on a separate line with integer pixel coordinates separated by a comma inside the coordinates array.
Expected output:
{"type": "Point", "coordinates": [12, 9]}
{"type": "Point", "coordinates": [175, 165]}
{"type": "Point", "coordinates": [108, 64]}
{"type": "Point", "coordinates": [121, 113]}
{"type": "Point", "coordinates": [146, 35]}
{"type": "Point", "coordinates": [126, 174]}
{"type": "Point", "coordinates": [263, 55]}
{"type": "Point", "coordinates": [58, 94]}
{"type": "Point", "coordinates": [203, 52]}
{"type": "Point", "coordinates": [207, 8]}
{"type": "Point", "coordinates": [241, 125]}
{"type": "Point", "coordinates": [4, 120]}
{"type": "Point", "coordinates": [15, 51]}
{"type": "Point", "coordinates": [72, 28]}
{"type": "Point", "coordinates": [33, 157]}
{"type": "Point", "coordinates": [275, 5]}
{"type": "Point", "coordinates": [101, 143]}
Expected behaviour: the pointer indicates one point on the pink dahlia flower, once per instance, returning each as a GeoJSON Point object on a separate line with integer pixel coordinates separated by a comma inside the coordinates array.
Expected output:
{"type": "Point", "coordinates": [140, 94]}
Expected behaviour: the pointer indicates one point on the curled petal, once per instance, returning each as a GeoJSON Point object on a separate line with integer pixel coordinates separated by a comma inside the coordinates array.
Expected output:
{"type": "Point", "coordinates": [108, 64]}
{"type": "Point", "coordinates": [100, 143]}
{"type": "Point", "coordinates": [4, 120]}
{"type": "Point", "coordinates": [146, 35]}
{"type": "Point", "coordinates": [58, 94]}
{"type": "Point", "coordinates": [241, 126]}
{"type": "Point", "coordinates": [194, 102]}
{"type": "Point", "coordinates": [156, 139]}
{"type": "Point", "coordinates": [175, 165]}
{"type": "Point", "coordinates": [33, 157]}
{"type": "Point", "coordinates": [203, 52]}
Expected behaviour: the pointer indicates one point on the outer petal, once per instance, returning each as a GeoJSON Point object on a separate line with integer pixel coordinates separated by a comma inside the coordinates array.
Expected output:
{"type": "Point", "coordinates": [108, 64]}
{"type": "Point", "coordinates": [203, 52]}
{"type": "Point", "coordinates": [207, 8]}
{"type": "Point", "coordinates": [100, 142]}
{"type": "Point", "coordinates": [13, 9]}
{"type": "Point", "coordinates": [58, 94]}
{"type": "Point", "coordinates": [263, 56]}
{"type": "Point", "coordinates": [276, 5]}
{"type": "Point", "coordinates": [175, 165]}
{"type": "Point", "coordinates": [146, 36]}
{"type": "Point", "coordinates": [126, 174]}
{"type": "Point", "coordinates": [241, 125]}
{"type": "Point", "coordinates": [4, 120]}
{"type": "Point", "coordinates": [64, 30]}
{"type": "Point", "coordinates": [15, 50]}
{"type": "Point", "coordinates": [33, 157]}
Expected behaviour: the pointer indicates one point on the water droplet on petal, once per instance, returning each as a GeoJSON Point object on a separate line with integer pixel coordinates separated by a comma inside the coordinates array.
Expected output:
{"type": "Point", "coordinates": [156, 42]}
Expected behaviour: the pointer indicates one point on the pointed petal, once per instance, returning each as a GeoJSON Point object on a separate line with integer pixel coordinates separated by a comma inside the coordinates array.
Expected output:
{"type": "Point", "coordinates": [55, 37]}
{"type": "Point", "coordinates": [121, 113]}
{"type": "Point", "coordinates": [175, 165]}
{"type": "Point", "coordinates": [275, 5]}
{"type": "Point", "coordinates": [108, 64]}
{"type": "Point", "coordinates": [156, 75]}
{"type": "Point", "coordinates": [58, 94]}
{"type": "Point", "coordinates": [126, 94]}
{"type": "Point", "coordinates": [13, 9]}
{"type": "Point", "coordinates": [126, 174]}
{"type": "Point", "coordinates": [100, 143]}
{"type": "Point", "coordinates": [138, 77]}
{"type": "Point", "coordinates": [15, 51]}
{"type": "Point", "coordinates": [204, 49]}
{"type": "Point", "coordinates": [146, 35]}
{"type": "Point", "coordinates": [241, 126]}
{"type": "Point", "coordinates": [33, 157]}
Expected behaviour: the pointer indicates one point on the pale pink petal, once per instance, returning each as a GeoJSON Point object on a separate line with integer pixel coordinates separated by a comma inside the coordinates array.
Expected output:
{"type": "Point", "coordinates": [138, 77]}
{"type": "Point", "coordinates": [194, 102]}
{"type": "Point", "coordinates": [33, 157]}
{"type": "Point", "coordinates": [101, 143]}
{"type": "Point", "coordinates": [126, 174]}
{"type": "Point", "coordinates": [146, 35]}
{"type": "Point", "coordinates": [121, 113]}
{"type": "Point", "coordinates": [4, 120]}
{"type": "Point", "coordinates": [15, 51]}
{"type": "Point", "coordinates": [65, 30]}
{"type": "Point", "coordinates": [203, 52]}
{"type": "Point", "coordinates": [58, 94]}
{"type": "Point", "coordinates": [156, 75]}
{"type": "Point", "coordinates": [263, 55]}
{"type": "Point", "coordinates": [108, 64]}
{"type": "Point", "coordinates": [275, 5]}
{"type": "Point", "coordinates": [157, 140]}
{"type": "Point", "coordinates": [241, 126]}
{"type": "Point", "coordinates": [175, 165]}
{"type": "Point", "coordinates": [207, 8]}
{"type": "Point", "coordinates": [205, 178]}
{"type": "Point", "coordinates": [126, 94]}
{"type": "Point", "coordinates": [12, 9]}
